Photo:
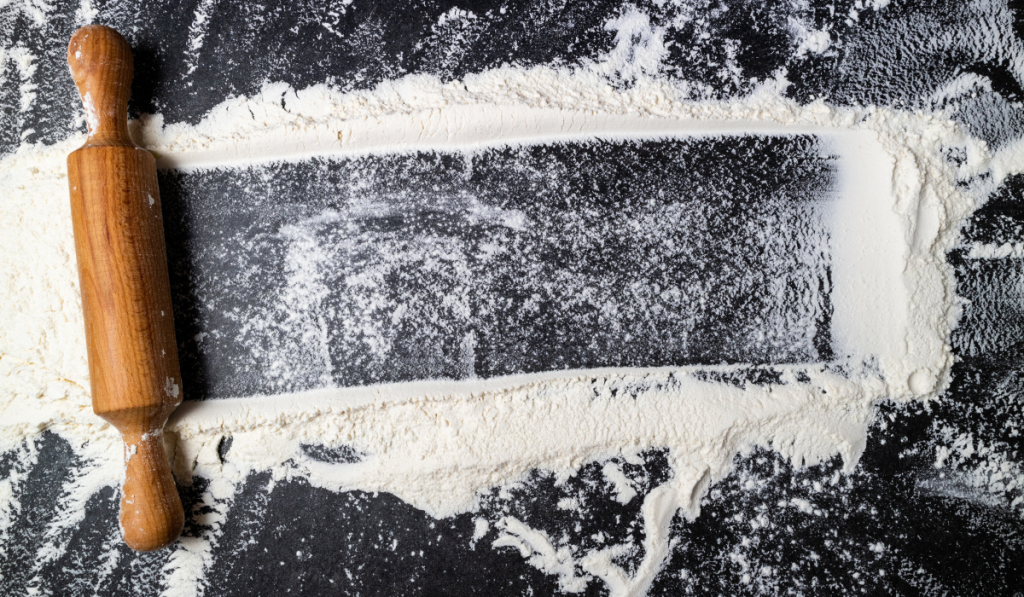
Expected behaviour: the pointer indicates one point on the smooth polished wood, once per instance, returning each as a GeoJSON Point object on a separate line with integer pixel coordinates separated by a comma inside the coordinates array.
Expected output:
{"type": "Point", "coordinates": [126, 295]}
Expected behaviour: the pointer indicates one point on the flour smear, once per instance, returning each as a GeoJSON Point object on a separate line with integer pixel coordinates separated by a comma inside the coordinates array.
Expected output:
{"type": "Point", "coordinates": [440, 445]}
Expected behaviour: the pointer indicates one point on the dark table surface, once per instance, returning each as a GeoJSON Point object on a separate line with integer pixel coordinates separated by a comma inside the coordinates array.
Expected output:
{"type": "Point", "coordinates": [955, 531]}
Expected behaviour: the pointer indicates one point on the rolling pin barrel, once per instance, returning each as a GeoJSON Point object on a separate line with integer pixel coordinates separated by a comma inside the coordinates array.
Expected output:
{"type": "Point", "coordinates": [126, 296]}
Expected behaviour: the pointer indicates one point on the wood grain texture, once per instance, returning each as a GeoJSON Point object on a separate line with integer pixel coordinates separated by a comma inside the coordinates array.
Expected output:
{"type": "Point", "coordinates": [126, 297]}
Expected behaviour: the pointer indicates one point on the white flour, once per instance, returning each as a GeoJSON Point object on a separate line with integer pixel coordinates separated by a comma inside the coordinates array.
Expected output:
{"type": "Point", "coordinates": [438, 445]}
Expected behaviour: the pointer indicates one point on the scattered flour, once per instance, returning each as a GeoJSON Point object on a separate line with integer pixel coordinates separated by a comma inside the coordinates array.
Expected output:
{"type": "Point", "coordinates": [438, 445]}
{"type": "Point", "coordinates": [809, 41]}
{"type": "Point", "coordinates": [624, 491]}
{"type": "Point", "coordinates": [970, 469]}
{"type": "Point", "coordinates": [1001, 251]}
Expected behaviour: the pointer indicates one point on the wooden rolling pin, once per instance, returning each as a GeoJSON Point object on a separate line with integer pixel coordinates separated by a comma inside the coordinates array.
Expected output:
{"type": "Point", "coordinates": [126, 294]}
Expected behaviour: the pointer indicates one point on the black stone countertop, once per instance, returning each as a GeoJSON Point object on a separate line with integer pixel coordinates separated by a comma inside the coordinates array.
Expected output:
{"type": "Point", "coordinates": [896, 525]}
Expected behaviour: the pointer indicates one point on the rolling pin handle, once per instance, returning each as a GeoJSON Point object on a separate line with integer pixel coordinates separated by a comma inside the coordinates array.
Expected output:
{"type": "Point", "coordinates": [151, 513]}
{"type": "Point", "coordinates": [101, 65]}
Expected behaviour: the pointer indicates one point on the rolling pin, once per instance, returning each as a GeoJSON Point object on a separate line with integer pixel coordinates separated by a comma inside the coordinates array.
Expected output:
{"type": "Point", "coordinates": [126, 293]}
